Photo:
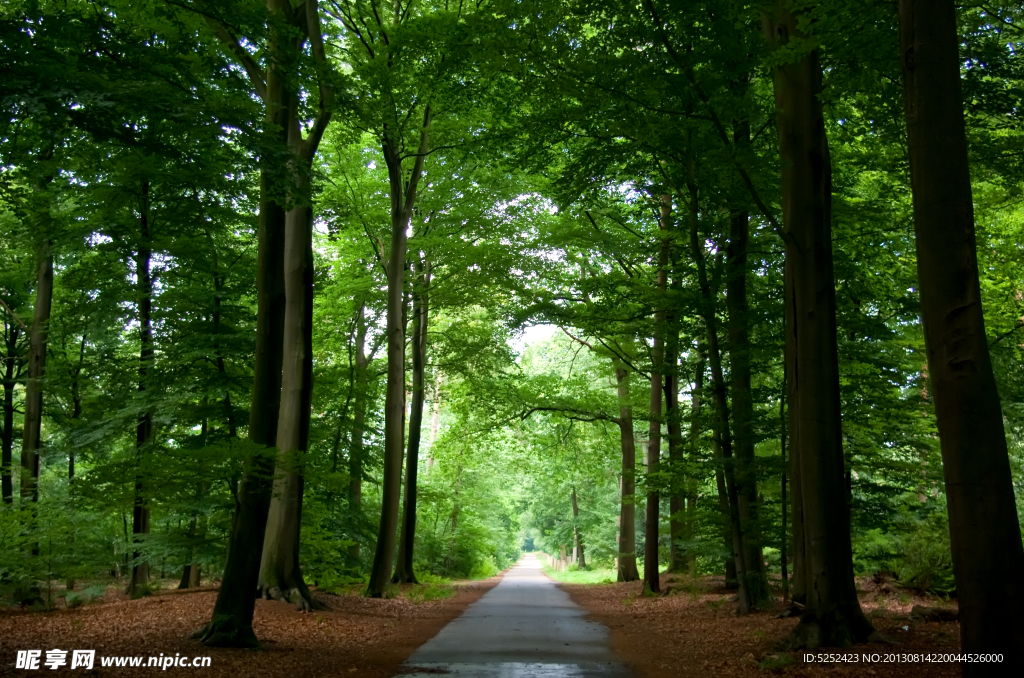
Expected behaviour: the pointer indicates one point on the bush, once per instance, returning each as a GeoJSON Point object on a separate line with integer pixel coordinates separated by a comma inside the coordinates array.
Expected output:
{"type": "Point", "coordinates": [484, 569]}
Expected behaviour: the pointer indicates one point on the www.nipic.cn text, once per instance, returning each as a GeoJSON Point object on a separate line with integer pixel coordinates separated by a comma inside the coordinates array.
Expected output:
{"type": "Point", "coordinates": [85, 659]}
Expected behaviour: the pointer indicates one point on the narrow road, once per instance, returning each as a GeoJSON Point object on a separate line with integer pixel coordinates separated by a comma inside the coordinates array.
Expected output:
{"type": "Point", "coordinates": [525, 627]}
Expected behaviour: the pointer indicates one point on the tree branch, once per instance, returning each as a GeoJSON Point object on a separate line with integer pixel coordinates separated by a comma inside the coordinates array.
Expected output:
{"type": "Point", "coordinates": [571, 413]}
{"type": "Point", "coordinates": [256, 75]}
{"type": "Point", "coordinates": [326, 107]}
{"type": "Point", "coordinates": [11, 313]}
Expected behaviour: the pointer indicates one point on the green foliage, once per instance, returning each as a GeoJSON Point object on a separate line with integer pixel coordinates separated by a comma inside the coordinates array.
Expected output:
{"type": "Point", "coordinates": [577, 576]}
{"type": "Point", "coordinates": [915, 548]}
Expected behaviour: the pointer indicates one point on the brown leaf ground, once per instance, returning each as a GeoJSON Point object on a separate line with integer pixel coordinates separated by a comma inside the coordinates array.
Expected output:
{"type": "Point", "coordinates": [693, 631]}
{"type": "Point", "coordinates": [358, 637]}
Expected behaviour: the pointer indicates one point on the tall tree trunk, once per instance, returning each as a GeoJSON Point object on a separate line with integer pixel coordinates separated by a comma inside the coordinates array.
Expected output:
{"type": "Point", "coordinates": [355, 453]}
{"type": "Point", "coordinates": [394, 397]}
{"type": "Point", "coordinates": [690, 480]}
{"type": "Point", "coordinates": [31, 438]}
{"type": "Point", "coordinates": [232, 615]}
{"type": "Point", "coordinates": [832, 615]}
{"type": "Point", "coordinates": [743, 406]}
{"type": "Point", "coordinates": [421, 310]}
{"type": "Point", "coordinates": [722, 432]}
{"type": "Point", "coordinates": [724, 507]}
{"type": "Point", "coordinates": [76, 414]}
{"type": "Point", "coordinates": [627, 570]}
{"type": "Point", "coordinates": [581, 558]}
{"type": "Point", "coordinates": [403, 199]}
{"type": "Point", "coordinates": [280, 573]}
{"type": "Point", "coordinates": [799, 584]}
{"type": "Point", "coordinates": [231, 624]}
{"type": "Point", "coordinates": [677, 496]}
{"type": "Point", "coordinates": [11, 370]}
{"type": "Point", "coordinates": [784, 536]}
{"type": "Point", "coordinates": [653, 514]}
{"type": "Point", "coordinates": [987, 556]}
{"type": "Point", "coordinates": [139, 582]}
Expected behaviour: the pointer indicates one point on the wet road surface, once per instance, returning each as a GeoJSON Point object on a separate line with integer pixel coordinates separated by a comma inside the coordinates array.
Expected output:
{"type": "Point", "coordinates": [525, 627]}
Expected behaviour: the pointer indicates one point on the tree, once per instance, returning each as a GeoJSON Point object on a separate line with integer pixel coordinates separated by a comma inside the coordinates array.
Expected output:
{"type": "Point", "coordinates": [821, 516]}
{"type": "Point", "coordinates": [984, 529]}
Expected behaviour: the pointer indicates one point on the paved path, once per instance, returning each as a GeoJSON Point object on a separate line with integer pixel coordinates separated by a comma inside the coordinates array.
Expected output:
{"type": "Point", "coordinates": [525, 627]}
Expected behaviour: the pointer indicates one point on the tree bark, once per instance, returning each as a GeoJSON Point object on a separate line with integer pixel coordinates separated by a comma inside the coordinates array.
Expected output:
{"type": "Point", "coordinates": [231, 623]}
{"type": "Point", "coordinates": [31, 438]}
{"type": "Point", "coordinates": [11, 372]}
{"type": "Point", "coordinates": [581, 558]}
{"type": "Point", "coordinates": [784, 536]}
{"type": "Point", "coordinates": [677, 496]}
{"type": "Point", "coordinates": [421, 310]}
{"type": "Point", "coordinates": [403, 199]}
{"type": "Point", "coordinates": [743, 406]}
{"type": "Point", "coordinates": [832, 616]}
{"type": "Point", "coordinates": [286, 151]}
{"type": "Point", "coordinates": [722, 432]}
{"type": "Point", "coordinates": [690, 480]}
{"type": "Point", "coordinates": [987, 555]}
{"type": "Point", "coordinates": [138, 584]}
{"type": "Point", "coordinates": [76, 414]}
{"type": "Point", "coordinates": [627, 570]}
{"type": "Point", "coordinates": [355, 454]}
{"type": "Point", "coordinates": [653, 513]}
{"type": "Point", "coordinates": [280, 573]}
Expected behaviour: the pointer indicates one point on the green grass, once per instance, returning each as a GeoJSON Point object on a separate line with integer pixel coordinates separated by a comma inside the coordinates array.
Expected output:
{"type": "Point", "coordinates": [582, 576]}
{"type": "Point", "coordinates": [421, 593]}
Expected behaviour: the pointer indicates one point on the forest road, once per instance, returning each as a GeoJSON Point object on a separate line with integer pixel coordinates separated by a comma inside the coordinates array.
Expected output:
{"type": "Point", "coordinates": [525, 627]}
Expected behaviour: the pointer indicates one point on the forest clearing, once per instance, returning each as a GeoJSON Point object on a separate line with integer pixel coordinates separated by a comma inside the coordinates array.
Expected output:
{"type": "Point", "coordinates": [327, 323]}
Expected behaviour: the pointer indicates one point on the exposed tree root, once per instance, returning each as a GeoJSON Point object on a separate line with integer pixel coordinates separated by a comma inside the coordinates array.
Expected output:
{"type": "Point", "coordinates": [841, 627]}
{"type": "Point", "coordinates": [298, 594]}
{"type": "Point", "coordinates": [224, 632]}
{"type": "Point", "coordinates": [404, 579]}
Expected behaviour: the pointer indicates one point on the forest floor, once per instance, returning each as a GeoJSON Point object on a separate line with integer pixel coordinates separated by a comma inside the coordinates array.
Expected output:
{"type": "Point", "coordinates": [359, 637]}
{"type": "Point", "coordinates": [693, 631]}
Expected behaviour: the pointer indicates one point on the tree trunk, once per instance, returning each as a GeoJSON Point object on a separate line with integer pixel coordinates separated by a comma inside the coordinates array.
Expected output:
{"type": "Point", "coordinates": [355, 453]}
{"type": "Point", "coordinates": [653, 514]}
{"type": "Point", "coordinates": [280, 574]}
{"type": "Point", "coordinates": [421, 309]}
{"type": "Point", "coordinates": [394, 398]}
{"type": "Point", "coordinates": [76, 414]}
{"type": "Point", "coordinates": [690, 480]}
{"type": "Point", "coordinates": [31, 438]}
{"type": "Point", "coordinates": [403, 199]}
{"type": "Point", "coordinates": [231, 624]}
{"type": "Point", "coordinates": [11, 371]}
{"type": "Point", "coordinates": [731, 579]}
{"type": "Point", "coordinates": [287, 152]}
{"type": "Point", "coordinates": [138, 585]}
{"type": "Point", "coordinates": [832, 616]}
{"type": "Point", "coordinates": [784, 537]}
{"type": "Point", "coordinates": [984, 529]}
{"type": "Point", "coordinates": [627, 570]}
{"type": "Point", "coordinates": [677, 494]}
{"type": "Point", "coordinates": [722, 433]}
{"type": "Point", "coordinates": [743, 407]}
{"type": "Point", "coordinates": [581, 559]}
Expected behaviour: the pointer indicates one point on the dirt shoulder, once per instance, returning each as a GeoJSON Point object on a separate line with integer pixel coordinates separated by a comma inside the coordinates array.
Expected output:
{"type": "Point", "coordinates": [693, 631]}
{"type": "Point", "coordinates": [358, 637]}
